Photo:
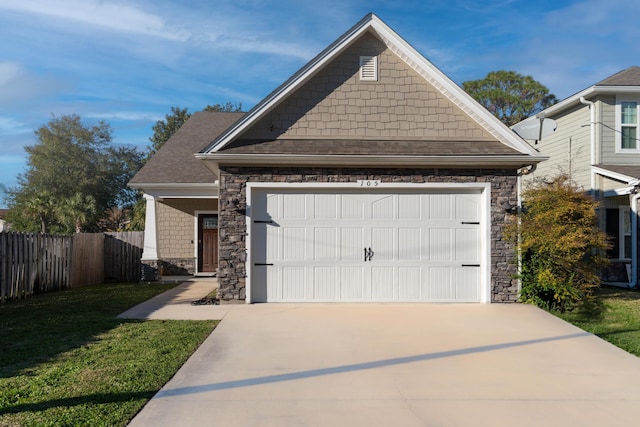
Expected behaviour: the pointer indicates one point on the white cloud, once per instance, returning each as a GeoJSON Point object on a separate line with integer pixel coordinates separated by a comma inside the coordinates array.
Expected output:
{"type": "Point", "coordinates": [19, 87]}
{"type": "Point", "coordinates": [124, 115]}
{"type": "Point", "coordinates": [10, 126]}
{"type": "Point", "coordinates": [108, 15]}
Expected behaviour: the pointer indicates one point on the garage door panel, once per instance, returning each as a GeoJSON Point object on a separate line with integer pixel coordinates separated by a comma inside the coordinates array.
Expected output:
{"type": "Point", "coordinates": [466, 249]}
{"type": "Point", "coordinates": [382, 208]}
{"type": "Point", "coordinates": [409, 206]}
{"type": "Point", "coordinates": [273, 283]}
{"type": "Point", "coordinates": [440, 206]}
{"type": "Point", "coordinates": [351, 243]}
{"type": "Point", "coordinates": [465, 284]}
{"type": "Point", "coordinates": [352, 283]}
{"type": "Point", "coordinates": [409, 283]}
{"type": "Point", "coordinates": [382, 283]}
{"type": "Point", "coordinates": [294, 206]}
{"type": "Point", "coordinates": [351, 207]}
{"type": "Point", "coordinates": [467, 207]}
{"type": "Point", "coordinates": [409, 245]}
{"type": "Point", "coordinates": [293, 283]}
{"type": "Point", "coordinates": [325, 243]}
{"type": "Point", "coordinates": [272, 234]}
{"type": "Point", "coordinates": [325, 281]}
{"type": "Point", "coordinates": [294, 243]}
{"type": "Point", "coordinates": [438, 285]}
{"type": "Point", "coordinates": [325, 206]}
{"type": "Point", "coordinates": [382, 243]}
{"type": "Point", "coordinates": [440, 248]}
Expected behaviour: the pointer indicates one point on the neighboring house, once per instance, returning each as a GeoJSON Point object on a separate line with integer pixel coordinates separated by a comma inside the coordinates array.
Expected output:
{"type": "Point", "coordinates": [367, 176]}
{"type": "Point", "coordinates": [596, 144]}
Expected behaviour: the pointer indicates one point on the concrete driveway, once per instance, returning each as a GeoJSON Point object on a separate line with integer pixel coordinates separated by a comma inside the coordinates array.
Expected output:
{"type": "Point", "coordinates": [398, 365]}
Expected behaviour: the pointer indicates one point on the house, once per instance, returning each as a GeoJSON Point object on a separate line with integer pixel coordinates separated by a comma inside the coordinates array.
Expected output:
{"type": "Point", "coordinates": [596, 144]}
{"type": "Point", "coordinates": [367, 176]}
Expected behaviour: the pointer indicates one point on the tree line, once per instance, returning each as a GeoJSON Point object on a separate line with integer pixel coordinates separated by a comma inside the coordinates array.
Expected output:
{"type": "Point", "coordinates": [76, 179]}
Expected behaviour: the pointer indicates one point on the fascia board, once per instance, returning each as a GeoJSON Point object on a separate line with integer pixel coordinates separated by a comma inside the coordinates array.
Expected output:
{"type": "Point", "coordinates": [369, 160]}
{"type": "Point", "coordinates": [178, 190]}
{"type": "Point", "coordinates": [615, 175]}
{"type": "Point", "coordinates": [589, 92]}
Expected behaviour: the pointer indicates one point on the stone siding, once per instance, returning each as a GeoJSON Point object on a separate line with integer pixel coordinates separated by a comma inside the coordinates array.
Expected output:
{"type": "Point", "coordinates": [336, 104]}
{"type": "Point", "coordinates": [232, 269]}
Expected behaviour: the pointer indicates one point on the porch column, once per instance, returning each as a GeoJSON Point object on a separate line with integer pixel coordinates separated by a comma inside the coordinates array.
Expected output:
{"type": "Point", "coordinates": [150, 267]}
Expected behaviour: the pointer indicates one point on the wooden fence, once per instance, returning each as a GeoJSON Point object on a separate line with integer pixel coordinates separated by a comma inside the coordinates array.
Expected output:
{"type": "Point", "coordinates": [32, 263]}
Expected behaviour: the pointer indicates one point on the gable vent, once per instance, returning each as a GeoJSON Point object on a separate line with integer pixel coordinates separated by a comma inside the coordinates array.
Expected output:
{"type": "Point", "coordinates": [369, 68]}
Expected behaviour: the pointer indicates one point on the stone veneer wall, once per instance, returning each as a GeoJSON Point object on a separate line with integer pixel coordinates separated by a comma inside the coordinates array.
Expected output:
{"type": "Point", "coordinates": [232, 210]}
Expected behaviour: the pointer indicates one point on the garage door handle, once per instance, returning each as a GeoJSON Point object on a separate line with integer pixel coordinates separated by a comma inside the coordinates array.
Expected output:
{"type": "Point", "coordinates": [368, 254]}
{"type": "Point", "coordinates": [471, 265]}
{"type": "Point", "coordinates": [262, 263]}
{"type": "Point", "coordinates": [470, 222]}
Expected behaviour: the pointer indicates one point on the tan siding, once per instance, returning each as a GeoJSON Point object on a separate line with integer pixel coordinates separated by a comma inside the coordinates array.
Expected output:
{"type": "Point", "coordinates": [336, 104]}
{"type": "Point", "coordinates": [568, 149]}
{"type": "Point", "coordinates": [605, 130]}
{"type": "Point", "coordinates": [611, 184]}
{"type": "Point", "coordinates": [176, 225]}
{"type": "Point", "coordinates": [608, 135]}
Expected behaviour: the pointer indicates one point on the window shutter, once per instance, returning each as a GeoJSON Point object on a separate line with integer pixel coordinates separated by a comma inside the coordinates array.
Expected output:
{"type": "Point", "coordinates": [369, 68]}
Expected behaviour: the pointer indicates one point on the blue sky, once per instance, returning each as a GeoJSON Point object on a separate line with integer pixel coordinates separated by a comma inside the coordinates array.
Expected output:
{"type": "Point", "coordinates": [127, 62]}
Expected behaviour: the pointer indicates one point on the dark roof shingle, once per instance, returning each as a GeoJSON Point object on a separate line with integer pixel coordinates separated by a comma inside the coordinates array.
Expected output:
{"type": "Point", "coordinates": [175, 161]}
{"type": "Point", "coordinates": [368, 147]}
{"type": "Point", "coordinates": [627, 77]}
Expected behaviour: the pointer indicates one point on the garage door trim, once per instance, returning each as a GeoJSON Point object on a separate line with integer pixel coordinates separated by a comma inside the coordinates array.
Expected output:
{"type": "Point", "coordinates": [484, 188]}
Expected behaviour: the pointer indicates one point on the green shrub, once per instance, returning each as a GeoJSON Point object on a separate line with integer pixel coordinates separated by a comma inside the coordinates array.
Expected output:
{"type": "Point", "coordinates": [561, 247]}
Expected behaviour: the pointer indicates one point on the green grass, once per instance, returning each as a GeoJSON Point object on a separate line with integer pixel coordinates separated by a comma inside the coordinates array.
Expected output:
{"type": "Point", "coordinates": [613, 315]}
{"type": "Point", "coordinates": [66, 360]}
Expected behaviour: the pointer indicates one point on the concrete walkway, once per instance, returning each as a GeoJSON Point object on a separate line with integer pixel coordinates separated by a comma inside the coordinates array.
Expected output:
{"type": "Point", "coordinates": [395, 364]}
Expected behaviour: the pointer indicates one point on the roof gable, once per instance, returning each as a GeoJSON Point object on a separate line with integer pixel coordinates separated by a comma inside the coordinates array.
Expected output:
{"type": "Point", "coordinates": [480, 123]}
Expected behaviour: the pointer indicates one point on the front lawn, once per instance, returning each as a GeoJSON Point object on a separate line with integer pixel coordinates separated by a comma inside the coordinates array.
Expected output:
{"type": "Point", "coordinates": [614, 315]}
{"type": "Point", "coordinates": [65, 359]}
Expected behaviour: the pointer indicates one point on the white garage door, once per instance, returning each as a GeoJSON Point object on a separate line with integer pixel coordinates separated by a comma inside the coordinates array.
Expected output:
{"type": "Point", "coordinates": [326, 245]}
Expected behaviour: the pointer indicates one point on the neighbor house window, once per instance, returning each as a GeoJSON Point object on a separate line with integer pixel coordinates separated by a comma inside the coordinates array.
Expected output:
{"type": "Point", "coordinates": [627, 120]}
{"type": "Point", "coordinates": [619, 230]}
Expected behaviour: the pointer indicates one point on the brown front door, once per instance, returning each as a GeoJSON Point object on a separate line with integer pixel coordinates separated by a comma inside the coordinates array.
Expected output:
{"type": "Point", "coordinates": [207, 243]}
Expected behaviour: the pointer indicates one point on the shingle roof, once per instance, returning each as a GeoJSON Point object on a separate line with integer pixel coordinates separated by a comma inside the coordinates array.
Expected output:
{"type": "Point", "coordinates": [175, 161]}
{"type": "Point", "coordinates": [364, 147]}
{"type": "Point", "coordinates": [630, 171]}
{"type": "Point", "coordinates": [627, 77]}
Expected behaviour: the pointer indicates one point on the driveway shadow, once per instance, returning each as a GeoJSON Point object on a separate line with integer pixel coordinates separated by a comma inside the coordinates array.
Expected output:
{"type": "Point", "coordinates": [357, 366]}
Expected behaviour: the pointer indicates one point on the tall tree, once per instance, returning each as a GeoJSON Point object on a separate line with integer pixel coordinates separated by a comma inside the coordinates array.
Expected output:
{"type": "Point", "coordinates": [510, 96]}
{"type": "Point", "coordinates": [71, 160]}
{"type": "Point", "coordinates": [226, 108]}
{"type": "Point", "coordinates": [164, 129]}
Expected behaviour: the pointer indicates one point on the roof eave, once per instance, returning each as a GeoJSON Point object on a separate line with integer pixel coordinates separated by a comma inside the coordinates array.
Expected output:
{"type": "Point", "coordinates": [588, 93]}
{"type": "Point", "coordinates": [177, 190]}
{"type": "Point", "coordinates": [487, 161]}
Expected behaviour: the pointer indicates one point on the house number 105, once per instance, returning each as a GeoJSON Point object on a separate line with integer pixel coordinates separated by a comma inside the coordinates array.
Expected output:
{"type": "Point", "coordinates": [369, 182]}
